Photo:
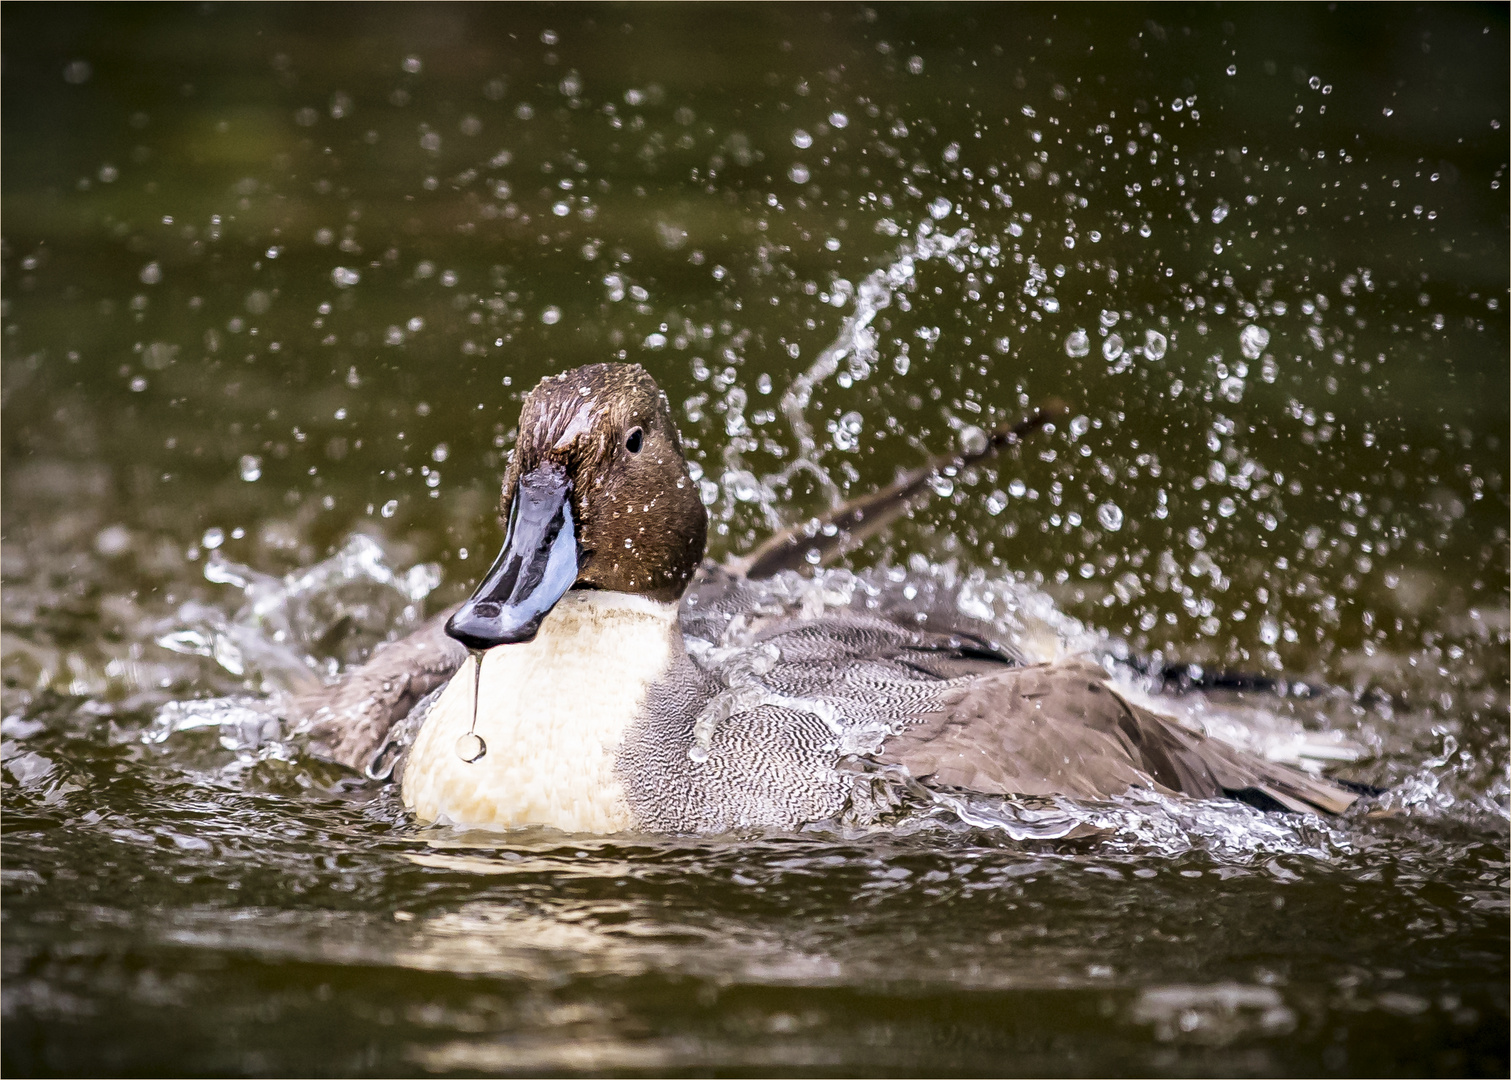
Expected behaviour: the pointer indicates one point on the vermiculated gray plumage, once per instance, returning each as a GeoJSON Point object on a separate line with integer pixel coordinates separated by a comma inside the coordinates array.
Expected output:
{"type": "Point", "coordinates": [843, 698]}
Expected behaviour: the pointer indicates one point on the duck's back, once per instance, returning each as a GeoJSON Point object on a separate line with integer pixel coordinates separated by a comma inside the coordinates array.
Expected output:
{"type": "Point", "coordinates": [834, 718]}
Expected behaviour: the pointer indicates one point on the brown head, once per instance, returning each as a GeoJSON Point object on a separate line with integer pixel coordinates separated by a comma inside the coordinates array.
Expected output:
{"type": "Point", "coordinates": [597, 495]}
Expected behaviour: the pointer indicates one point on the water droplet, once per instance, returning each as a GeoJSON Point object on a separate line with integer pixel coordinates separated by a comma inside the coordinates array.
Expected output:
{"type": "Point", "coordinates": [1155, 344]}
{"type": "Point", "coordinates": [250, 467]}
{"type": "Point", "coordinates": [1112, 348]}
{"type": "Point", "coordinates": [996, 502]}
{"type": "Point", "coordinates": [390, 508]}
{"type": "Point", "coordinates": [972, 440]}
{"type": "Point", "coordinates": [212, 539]}
{"type": "Point", "coordinates": [1079, 426]}
{"type": "Point", "coordinates": [470, 747]}
{"type": "Point", "coordinates": [1232, 69]}
{"type": "Point", "coordinates": [798, 174]}
{"type": "Point", "coordinates": [1017, 489]}
{"type": "Point", "coordinates": [1111, 516]}
{"type": "Point", "coordinates": [801, 139]}
{"type": "Point", "coordinates": [1269, 630]}
{"type": "Point", "coordinates": [838, 120]}
{"type": "Point", "coordinates": [151, 274]}
{"type": "Point", "coordinates": [1002, 345]}
{"type": "Point", "coordinates": [551, 315]}
{"type": "Point", "coordinates": [1252, 340]}
{"type": "Point", "coordinates": [940, 208]}
{"type": "Point", "coordinates": [1231, 388]}
{"type": "Point", "coordinates": [344, 278]}
{"type": "Point", "coordinates": [1077, 344]}
{"type": "Point", "coordinates": [1219, 212]}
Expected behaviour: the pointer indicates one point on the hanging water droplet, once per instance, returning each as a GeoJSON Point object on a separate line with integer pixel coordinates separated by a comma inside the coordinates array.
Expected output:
{"type": "Point", "coordinates": [1077, 344]}
{"type": "Point", "coordinates": [470, 747]}
{"type": "Point", "coordinates": [250, 467]}
{"type": "Point", "coordinates": [1111, 516]}
{"type": "Point", "coordinates": [1155, 344]}
{"type": "Point", "coordinates": [1112, 348]}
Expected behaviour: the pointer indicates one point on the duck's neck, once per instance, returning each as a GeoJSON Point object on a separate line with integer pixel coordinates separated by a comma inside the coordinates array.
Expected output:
{"type": "Point", "coordinates": [552, 713]}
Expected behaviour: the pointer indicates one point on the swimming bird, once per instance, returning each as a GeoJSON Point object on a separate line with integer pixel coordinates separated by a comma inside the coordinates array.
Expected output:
{"type": "Point", "coordinates": [604, 676]}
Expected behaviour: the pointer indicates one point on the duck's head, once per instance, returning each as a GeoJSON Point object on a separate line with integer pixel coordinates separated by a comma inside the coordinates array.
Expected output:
{"type": "Point", "coordinates": [597, 495]}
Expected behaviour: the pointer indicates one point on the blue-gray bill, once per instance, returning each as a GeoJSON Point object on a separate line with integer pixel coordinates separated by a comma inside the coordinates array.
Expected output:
{"type": "Point", "coordinates": [537, 565]}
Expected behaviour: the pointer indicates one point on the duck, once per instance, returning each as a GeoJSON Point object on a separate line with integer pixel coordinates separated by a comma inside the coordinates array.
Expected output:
{"type": "Point", "coordinates": [605, 677]}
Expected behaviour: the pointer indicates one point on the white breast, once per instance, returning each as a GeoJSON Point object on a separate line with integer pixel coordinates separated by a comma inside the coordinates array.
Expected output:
{"type": "Point", "coordinates": [552, 713]}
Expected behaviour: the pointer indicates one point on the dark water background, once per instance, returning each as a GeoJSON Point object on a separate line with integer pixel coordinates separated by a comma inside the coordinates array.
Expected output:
{"type": "Point", "coordinates": [274, 277]}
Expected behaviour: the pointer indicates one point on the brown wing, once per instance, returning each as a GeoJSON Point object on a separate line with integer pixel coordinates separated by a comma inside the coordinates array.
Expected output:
{"type": "Point", "coordinates": [1059, 729]}
{"type": "Point", "coordinates": [350, 719]}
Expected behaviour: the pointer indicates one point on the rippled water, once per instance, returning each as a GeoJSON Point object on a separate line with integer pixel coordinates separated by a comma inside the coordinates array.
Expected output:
{"type": "Point", "coordinates": [274, 280]}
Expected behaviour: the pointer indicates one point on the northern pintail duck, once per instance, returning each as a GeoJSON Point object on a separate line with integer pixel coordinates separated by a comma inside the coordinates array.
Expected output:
{"type": "Point", "coordinates": [604, 677]}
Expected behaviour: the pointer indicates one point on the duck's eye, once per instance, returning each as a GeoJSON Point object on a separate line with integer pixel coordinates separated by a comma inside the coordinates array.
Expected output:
{"type": "Point", "coordinates": [632, 444]}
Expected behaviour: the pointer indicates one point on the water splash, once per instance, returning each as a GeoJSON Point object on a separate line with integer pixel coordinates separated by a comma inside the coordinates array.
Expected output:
{"type": "Point", "coordinates": [288, 627]}
{"type": "Point", "coordinates": [1149, 824]}
{"type": "Point", "coordinates": [281, 639]}
{"type": "Point", "coordinates": [857, 342]}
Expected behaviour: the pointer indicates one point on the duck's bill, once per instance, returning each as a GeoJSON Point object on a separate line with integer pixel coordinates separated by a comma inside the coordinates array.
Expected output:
{"type": "Point", "coordinates": [536, 567]}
